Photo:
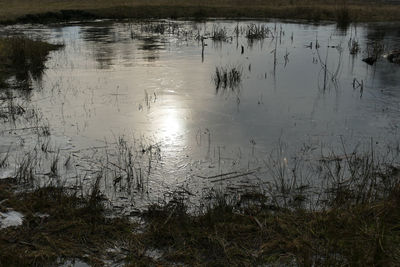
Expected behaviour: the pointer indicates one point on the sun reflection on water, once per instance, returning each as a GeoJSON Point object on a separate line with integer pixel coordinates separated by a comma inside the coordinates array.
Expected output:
{"type": "Point", "coordinates": [168, 123]}
{"type": "Point", "coordinates": [171, 124]}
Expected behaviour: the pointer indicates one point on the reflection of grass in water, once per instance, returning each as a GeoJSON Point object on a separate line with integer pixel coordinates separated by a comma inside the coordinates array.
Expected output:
{"type": "Point", "coordinates": [219, 34]}
{"type": "Point", "coordinates": [257, 32]}
{"type": "Point", "coordinates": [159, 27]}
{"type": "Point", "coordinates": [22, 59]}
{"type": "Point", "coordinates": [374, 52]}
{"type": "Point", "coordinates": [227, 77]}
{"type": "Point", "coordinates": [354, 46]}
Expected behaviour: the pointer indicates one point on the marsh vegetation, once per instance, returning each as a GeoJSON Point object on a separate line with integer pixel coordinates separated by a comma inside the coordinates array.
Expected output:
{"type": "Point", "coordinates": [188, 174]}
{"type": "Point", "coordinates": [227, 77]}
{"type": "Point", "coordinates": [349, 219]}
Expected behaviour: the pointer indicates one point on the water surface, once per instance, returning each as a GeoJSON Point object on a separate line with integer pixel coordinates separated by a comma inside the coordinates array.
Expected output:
{"type": "Point", "coordinates": [130, 81]}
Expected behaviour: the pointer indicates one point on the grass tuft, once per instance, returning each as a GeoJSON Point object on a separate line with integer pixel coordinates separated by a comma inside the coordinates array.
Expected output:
{"type": "Point", "coordinates": [227, 77]}
{"type": "Point", "coordinates": [257, 32]}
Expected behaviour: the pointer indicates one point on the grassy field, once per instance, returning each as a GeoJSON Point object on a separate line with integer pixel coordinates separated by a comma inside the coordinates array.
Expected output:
{"type": "Point", "coordinates": [56, 10]}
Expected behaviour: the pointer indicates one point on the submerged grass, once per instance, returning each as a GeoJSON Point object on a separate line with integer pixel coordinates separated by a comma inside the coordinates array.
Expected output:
{"type": "Point", "coordinates": [47, 10]}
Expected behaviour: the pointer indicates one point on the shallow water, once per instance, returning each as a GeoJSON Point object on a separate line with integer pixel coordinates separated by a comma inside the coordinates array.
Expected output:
{"type": "Point", "coordinates": [11, 218]}
{"type": "Point", "coordinates": [123, 79]}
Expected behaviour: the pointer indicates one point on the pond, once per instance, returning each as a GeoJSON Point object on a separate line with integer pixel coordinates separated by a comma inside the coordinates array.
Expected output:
{"type": "Point", "coordinates": [140, 103]}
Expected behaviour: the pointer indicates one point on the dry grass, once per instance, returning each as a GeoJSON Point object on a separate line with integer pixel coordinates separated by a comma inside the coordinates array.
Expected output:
{"type": "Point", "coordinates": [293, 9]}
{"type": "Point", "coordinates": [353, 222]}
{"type": "Point", "coordinates": [359, 235]}
{"type": "Point", "coordinates": [57, 225]}
{"type": "Point", "coordinates": [226, 234]}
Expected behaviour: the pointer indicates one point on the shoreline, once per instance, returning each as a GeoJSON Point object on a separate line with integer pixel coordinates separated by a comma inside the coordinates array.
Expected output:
{"type": "Point", "coordinates": [21, 12]}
